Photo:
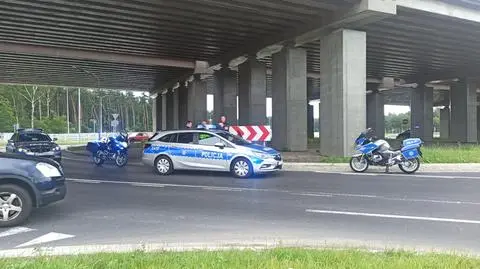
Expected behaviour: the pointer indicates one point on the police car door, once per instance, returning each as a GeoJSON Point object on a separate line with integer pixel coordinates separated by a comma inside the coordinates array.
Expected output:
{"type": "Point", "coordinates": [210, 156]}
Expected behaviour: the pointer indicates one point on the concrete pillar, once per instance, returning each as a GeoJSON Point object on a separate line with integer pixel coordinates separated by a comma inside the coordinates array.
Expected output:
{"type": "Point", "coordinates": [175, 116]}
{"type": "Point", "coordinates": [154, 114]}
{"type": "Point", "coordinates": [252, 88]}
{"type": "Point", "coordinates": [375, 113]}
{"type": "Point", "coordinates": [170, 110]}
{"type": "Point", "coordinates": [310, 114]}
{"type": "Point", "coordinates": [421, 113]}
{"type": "Point", "coordinates": [310, 122]}
{"type": "Point", "coordinates": [445, 123]}
{"type": "Point", "coordinates": [289, 99]}
{"type": "Point", "coordinates": [182, 105]}
{"type": "Point", "coordinates": [463, 98]}
{"type": "Point", "coordinates": [164, 111]}
{"type": "Point", "coordinates": [226, 95]}
{"type": "Point", "coordinates": [197, 101]}
{"type": "Point", "coordinates": [343, 111]}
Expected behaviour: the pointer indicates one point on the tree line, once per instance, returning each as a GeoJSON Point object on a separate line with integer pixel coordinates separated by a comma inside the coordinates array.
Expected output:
{"type": "Point", "coordinates": [30, 106]}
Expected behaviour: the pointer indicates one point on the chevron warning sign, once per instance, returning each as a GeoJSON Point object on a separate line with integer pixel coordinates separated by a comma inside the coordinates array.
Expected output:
{"type": "Point", "coordinates": [255, 133]}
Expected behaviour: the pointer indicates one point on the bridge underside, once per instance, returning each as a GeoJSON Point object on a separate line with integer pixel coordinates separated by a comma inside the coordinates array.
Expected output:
{"type": "Point", "coordinates": [251, 46]}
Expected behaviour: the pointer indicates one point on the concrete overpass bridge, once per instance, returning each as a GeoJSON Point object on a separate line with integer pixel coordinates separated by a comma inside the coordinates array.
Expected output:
{"type": "Point", "coordinates": [349, 53]}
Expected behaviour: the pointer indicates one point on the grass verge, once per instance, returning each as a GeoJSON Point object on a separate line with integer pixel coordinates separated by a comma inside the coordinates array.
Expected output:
{"type": "Point", "coordinates": [433, 154]}
{"type": "Point", "coordinates": [268, 259]}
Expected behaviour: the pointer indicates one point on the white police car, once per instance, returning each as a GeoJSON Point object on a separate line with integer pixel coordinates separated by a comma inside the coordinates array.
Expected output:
{"type": "Point", "coordinates": [211, 150]}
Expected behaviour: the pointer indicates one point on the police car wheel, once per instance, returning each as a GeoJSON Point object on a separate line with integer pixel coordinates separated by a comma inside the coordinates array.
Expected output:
{"type": "Point", "coordinates": [163, 165]}
{"type": "Point", "coordinates": [241, 168]}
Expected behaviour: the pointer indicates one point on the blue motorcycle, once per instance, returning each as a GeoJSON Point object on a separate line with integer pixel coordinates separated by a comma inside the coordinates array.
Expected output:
{"type": "Point", "coordinates": [377, 152]}
{"type": "Point", "coordinates": [113, 148]}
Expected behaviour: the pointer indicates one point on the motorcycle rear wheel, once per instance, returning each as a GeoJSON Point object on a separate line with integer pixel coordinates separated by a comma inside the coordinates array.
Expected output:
{"type": "Point", "coordinates": [358, 164]}
{"type": "Point", "coordinates": [412, 167]}
{"type": "Point", "coordinates": [97, 160]}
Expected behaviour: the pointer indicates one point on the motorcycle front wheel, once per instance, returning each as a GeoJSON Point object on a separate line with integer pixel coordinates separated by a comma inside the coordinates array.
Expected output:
{"type": "Point", "coordinates": [121, 160]}
{"type": "Point", "coordinates": [409, 166]}
{"type": "Point", "coordinates": [359, 164]}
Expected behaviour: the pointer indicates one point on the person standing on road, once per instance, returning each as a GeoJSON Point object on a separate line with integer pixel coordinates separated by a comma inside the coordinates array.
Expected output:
{"type": "Point", "coordinates": [189, 125]}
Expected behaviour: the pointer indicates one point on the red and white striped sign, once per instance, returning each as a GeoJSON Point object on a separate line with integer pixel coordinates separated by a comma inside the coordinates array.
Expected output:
{"type": "Point", "coordinates": [261, 133]}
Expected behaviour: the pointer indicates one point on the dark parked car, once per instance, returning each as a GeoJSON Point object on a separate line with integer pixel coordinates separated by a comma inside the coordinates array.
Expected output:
{"type": "Point", "coordinates": [34, 142]}
{"type": "Point", "coordinates": [27, 183]}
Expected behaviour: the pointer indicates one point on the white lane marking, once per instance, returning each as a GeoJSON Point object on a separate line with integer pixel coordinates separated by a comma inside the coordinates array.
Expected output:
{"type": "Point", "coordinates": [50, 237]}
{"type": "Point", "coordinates": [141, 184]}
{"type": "Point", "coordinates": [161, 185]}
{"type": "Point", "coordinates": [396, 175]}
{"type": "Point", "coordinates": [388, 198]}
{"type": "Point", "coordinates": [222, 189]}
{"type": "Point", "coordinates": [14, 231]}
{"type": "Point", "coordinates": [319, 194]}
{"type": "Point", "coordinates": [313, 194]}
{"type": "Point", "coordinates": [388, 216]}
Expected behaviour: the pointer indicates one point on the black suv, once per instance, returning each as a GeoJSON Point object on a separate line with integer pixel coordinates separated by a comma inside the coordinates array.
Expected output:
{"type": "Point", "coordinates": [27, 182]}
{"type": "Point", "coordinates": [34, 142]}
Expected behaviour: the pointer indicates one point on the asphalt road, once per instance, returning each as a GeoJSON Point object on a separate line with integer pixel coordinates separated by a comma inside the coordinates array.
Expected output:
{"type": "Point", "coordinates": [131, 205]}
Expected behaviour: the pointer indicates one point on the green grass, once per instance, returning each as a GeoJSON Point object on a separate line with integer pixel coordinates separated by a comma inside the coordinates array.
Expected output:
{"type": "Point", "coordinates": [433, 154]}
{"type": "Point", "coordinates": [268, 259]}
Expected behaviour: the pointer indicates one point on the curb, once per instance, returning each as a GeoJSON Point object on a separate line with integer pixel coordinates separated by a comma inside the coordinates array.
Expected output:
{"type": "Point", "coordinates": [328, 244]}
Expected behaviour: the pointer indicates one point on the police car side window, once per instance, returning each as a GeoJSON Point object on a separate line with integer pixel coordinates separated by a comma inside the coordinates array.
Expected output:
{"type": "Point", "coordinates": [206, 139]}
{"type": "Point", "coordinates": [168, 138]}
{"type": "Point", "coordinates": [185, 138]}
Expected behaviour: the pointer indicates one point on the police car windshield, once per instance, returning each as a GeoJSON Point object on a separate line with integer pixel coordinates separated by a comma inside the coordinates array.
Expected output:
{"type": "Point", "coordinates": [235, 139]}
{"type": "Point", "coordinates": [32, 137]}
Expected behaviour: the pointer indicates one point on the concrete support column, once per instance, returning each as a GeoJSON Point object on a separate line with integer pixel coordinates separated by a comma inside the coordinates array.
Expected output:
{"type": "Point", "coordinates": [310, 114]}
{"type": "Point", "coordinates": [226, 95]}
{"type": "Point", "coordinates": [175, 108]}
{"type": "Point", "coordinates": [170, 110]}
{"type": "Point", "coordinates": [310, 122]}
{"type": "Point", "coordinates": [375, 113]}
{"type": "Point", "coordinates": [197, 100]}
{"type": "Point", "coordinates": [421, 111]}
{"type": "Point", "coordinates": [289, 99]}
{"type": "Point", "coordinates": [463, 98]}
{"type": "Point", "coordinates": [182, 105]}
{"type": "Point", "coordinates": [343, 79]}
{"type": "Point", "coordinates": [252, 93]}
{"type": "Point", "coordinates": [154, 114]}
{"type": "Point", "coordinates": [445, 123]}
{"type": "Point", "coordinates": [164, 111]}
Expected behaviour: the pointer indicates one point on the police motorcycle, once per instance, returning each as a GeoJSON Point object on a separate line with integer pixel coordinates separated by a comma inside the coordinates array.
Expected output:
{"type": "Point", "coordinates": [377, 152]}
{"type": "Point", "coordinates": [113, 148]}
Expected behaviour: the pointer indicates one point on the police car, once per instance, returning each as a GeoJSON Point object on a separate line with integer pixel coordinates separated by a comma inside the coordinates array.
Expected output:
{"type": "Point", "coordinates": [211, 150]}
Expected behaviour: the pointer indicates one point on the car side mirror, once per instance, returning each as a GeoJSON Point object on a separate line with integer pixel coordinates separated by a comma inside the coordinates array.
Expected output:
{"type": "Point", "coordinates": [220, 145]}
{"type": "Point", "coordinates": [55, 139]}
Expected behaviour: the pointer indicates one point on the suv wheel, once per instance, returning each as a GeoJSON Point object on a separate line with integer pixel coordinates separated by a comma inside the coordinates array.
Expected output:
{"type": "Point", "coordinates": [163, 165]}
{"type": "Point", "coordinates": [15, 205]}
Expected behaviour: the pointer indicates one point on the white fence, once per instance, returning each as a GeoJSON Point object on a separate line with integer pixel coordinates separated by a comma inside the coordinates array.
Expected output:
{"type": "Point", "coordinates": [70, 138]}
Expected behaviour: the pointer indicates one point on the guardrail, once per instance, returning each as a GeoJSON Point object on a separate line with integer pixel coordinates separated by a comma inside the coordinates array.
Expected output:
{"type": "Point", "coordinates": [70, 138]}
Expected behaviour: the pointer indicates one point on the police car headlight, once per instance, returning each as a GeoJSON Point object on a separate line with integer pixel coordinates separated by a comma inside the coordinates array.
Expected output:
{"type": "Point", "coordinates": [48, 170]}
{"type": "Point", "coordinates": [22, 150]}
{"type": "Point", "coordinates": [262, 155]}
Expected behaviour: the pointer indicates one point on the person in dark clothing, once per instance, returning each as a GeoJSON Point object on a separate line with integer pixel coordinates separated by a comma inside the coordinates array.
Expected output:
{"type": "Point", "coordinates": [222, 123]}
{"type": "Point", "coordinates": [189, 125]}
